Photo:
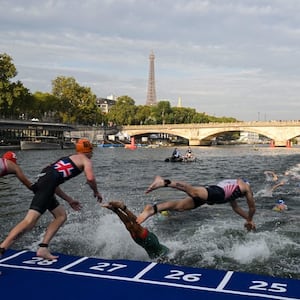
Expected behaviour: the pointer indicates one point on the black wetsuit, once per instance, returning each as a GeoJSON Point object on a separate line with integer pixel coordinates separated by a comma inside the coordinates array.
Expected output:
{"type": "Point", "coordinates": [51, 177]}
{"type": "Point", "coordinates": [224, 191]}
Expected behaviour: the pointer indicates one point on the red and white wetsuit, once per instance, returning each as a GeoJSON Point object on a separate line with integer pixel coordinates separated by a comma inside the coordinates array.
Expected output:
{"type": "Point", "coordinates": [3, 167]}
{"type": "Point", "coordinates": [229, 186]}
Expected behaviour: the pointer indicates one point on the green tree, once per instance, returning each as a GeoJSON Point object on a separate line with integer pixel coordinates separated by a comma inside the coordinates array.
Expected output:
{"type": "Point", "coordinates": [15, 99]}
{"type": "Point", "coordinates": [161, 112]}
{"type": "Point", "coordinates": [123, 112]}
{"type": "Point", "coordinates": [221, 119]}
{"type": "Point", "coordinates": [87, 110]}
{"type": "Point", "coordinates": [7, 68]}
{"type": "Point", "coordinates": [46, 106]}
{"type": "Point", "coordinates": [183, 115]}
{"type": "Point", "coordinates": [65, 90]}
{"type": "Point", "coordinates": [76, 104]}
{"type": "Point", "coordinates": [143, 113]}
{"type": "Point", "coordinates": [201, 118]}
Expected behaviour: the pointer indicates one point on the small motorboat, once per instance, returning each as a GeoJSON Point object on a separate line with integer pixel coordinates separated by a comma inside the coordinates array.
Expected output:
{"type": "Point", "coordinates": [181, 159]}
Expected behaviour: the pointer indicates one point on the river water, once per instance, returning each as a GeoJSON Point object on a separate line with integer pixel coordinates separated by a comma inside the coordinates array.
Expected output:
{"type": "Point", "coordinates": [210, 237]}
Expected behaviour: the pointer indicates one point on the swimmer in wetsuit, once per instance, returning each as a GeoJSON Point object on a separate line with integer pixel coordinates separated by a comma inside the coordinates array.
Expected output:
{"type": "Point", "coordinates": [141, 235]}
{"type": "Point", "coordinates": [44, 199]}
{"type": "Point", "coordinates": [224, 191]}
{"type": "Point", "coordinates": [8, 165]}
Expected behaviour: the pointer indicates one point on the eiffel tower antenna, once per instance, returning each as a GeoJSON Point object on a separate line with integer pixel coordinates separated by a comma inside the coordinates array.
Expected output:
{"type": "Point", "coordinates": [151, 95]}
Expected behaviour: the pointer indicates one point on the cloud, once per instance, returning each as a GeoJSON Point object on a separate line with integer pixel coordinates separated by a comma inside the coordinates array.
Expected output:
{"type": "Point", "coordinates": [223, 57]}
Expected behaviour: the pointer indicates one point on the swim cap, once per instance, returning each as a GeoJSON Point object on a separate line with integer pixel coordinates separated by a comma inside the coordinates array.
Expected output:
{"type": "Point", "coordinates": [84, 146]}
{"type": "Point", "coordinates": [246, 181]}
{"type": "Point", "coordinates": [164, 213]}
{"type": "Point", "coordinates": [10, 156]}
{"type": "Point", "coordinates": [280, 201]}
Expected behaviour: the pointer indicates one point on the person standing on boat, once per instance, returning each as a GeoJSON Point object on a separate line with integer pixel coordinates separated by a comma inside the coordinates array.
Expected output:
{"type": "Point", "coordinates": [8, 165]}
{"type": "Point", "coordinates": [44, 199]}
{"type": "Point", "coordinates": [224, 191]}
{"type": "Point", "coordinates": [141, 235]}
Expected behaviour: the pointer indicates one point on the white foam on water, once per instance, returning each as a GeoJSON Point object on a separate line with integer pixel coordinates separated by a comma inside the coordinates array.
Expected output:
{"type": "Point", "coordinates": [294, 171]}
{"type": "Point", "coordinates": [218, 241]}
{"type": "Point", "coordinates": [249, 251]}
{"type": "Point", "coordinates": [259, 247]}
{"type": "Point", "coordinates": [115, 241]}
{"type": "Point", "coordinates": [264, 192]}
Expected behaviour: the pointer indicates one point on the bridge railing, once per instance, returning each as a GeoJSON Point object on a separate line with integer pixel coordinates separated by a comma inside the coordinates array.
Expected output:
{"type": "Point", "coordinates": [218, 124]}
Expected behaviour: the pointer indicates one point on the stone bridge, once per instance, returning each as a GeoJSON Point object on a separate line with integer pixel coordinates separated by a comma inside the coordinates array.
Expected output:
{"type": "Point", "coordinates": [280, 132]}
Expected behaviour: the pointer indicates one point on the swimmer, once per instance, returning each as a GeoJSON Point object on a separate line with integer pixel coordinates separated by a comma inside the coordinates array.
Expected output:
{"type": "Point", "coordinates": [165, 213]}
{"type": "Point", "coordinates": [280, 206]}
{"type": "Point", "coordinates": [225, 191]}
{"type": "Point", "coordinates": [141, 235]}
{"type": "Point", "coordinates": [48, 184]}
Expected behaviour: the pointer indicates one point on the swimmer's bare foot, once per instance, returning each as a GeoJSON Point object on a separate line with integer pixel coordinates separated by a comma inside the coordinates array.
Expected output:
{"type": "Point", "coordinates": [147, 212]}
{"type": "Point", "coordinates": [114, 205]}
{"type": "Point", "coordinates": [107, 205]}
{"type": "Point", "coordinates": [157, 183]}
{"type": "Point", "coordinates": [45, 253]}
{"type": "Point", "coordinates": [118, 204]}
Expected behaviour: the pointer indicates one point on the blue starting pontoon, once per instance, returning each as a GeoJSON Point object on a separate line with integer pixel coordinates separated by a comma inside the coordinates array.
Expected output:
{"type": "Point", "coordinates": [25, 276]}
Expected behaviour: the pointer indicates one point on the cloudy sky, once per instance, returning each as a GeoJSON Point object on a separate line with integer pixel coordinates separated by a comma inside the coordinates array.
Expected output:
{"type": "Point", "coordinates": [236, 58]}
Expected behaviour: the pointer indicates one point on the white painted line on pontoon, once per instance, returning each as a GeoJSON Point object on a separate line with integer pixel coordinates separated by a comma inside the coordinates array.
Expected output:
{"type": "Point", "coordinates": [143, 272]}
{"type": "Point", "coordinates": [225, 280]}
{"type": "Point", "coordinates": [13, 256]}
{"type": "Point", "coordinates": [74, 263]}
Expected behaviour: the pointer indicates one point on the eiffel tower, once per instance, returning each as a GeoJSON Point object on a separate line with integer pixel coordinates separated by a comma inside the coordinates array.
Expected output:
{"type": "Point", "coordinates": [151, 95]}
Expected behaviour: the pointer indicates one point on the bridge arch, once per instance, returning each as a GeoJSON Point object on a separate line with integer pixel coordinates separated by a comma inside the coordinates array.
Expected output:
{"type": "Point", "coordinates": [202, 139]}
{"type": "Point", "coordinates": [278, 131]}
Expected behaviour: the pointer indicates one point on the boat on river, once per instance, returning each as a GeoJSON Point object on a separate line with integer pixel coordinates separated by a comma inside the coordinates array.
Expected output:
{"type": "Point", "coordinates": [181, 159]}
{"type": "Point", "coordinates": [45, 143]}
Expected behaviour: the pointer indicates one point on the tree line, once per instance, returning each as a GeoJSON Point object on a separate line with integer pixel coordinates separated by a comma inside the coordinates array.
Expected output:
{"type": "Point", "coordinates": [71, 103]}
